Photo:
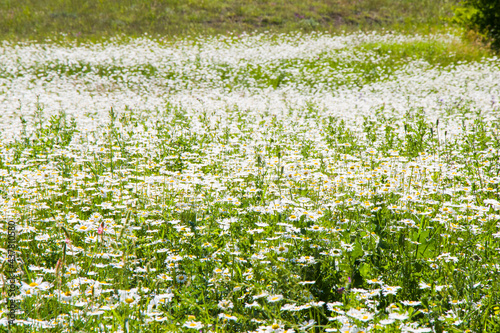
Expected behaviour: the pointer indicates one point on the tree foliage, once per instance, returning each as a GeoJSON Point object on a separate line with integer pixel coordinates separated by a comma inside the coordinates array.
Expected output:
{"type": "Point", "coordinates": [482, 16]}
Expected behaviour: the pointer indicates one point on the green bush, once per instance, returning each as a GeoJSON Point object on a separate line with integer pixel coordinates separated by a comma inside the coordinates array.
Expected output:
{"type": "Point", "coordinates": [482, 16]}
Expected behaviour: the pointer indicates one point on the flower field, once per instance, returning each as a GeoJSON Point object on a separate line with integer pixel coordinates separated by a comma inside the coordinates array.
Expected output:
{"type": "Point", "coordinates": [253, 183]}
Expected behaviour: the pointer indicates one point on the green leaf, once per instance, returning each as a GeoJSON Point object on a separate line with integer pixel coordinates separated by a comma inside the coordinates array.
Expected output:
{"type": "Point", "coordinates": [365, 270]}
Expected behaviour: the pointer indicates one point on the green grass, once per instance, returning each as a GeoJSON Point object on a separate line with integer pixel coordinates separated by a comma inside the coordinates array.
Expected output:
{"type": "Point", "coordinates": [95, 19]}
{"type": "Point", "coordinates": [434, 52]}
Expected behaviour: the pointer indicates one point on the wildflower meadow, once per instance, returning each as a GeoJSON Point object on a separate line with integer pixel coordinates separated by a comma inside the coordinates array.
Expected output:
{"type": "Point", "coordinates": [250, 183]}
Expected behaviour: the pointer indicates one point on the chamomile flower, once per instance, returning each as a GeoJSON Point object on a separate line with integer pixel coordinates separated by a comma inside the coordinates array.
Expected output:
{"type": "Point", "coordinates": [196, 325]}
{"type": "Point", "coordinates": [274, 298]}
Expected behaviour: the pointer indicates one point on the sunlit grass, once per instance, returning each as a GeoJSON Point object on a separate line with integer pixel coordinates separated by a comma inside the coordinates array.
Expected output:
{"type": "Point", "coordinates": [93, 19]}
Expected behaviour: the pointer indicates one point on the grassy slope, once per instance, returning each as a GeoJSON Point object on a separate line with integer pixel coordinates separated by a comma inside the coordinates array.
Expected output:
{"type": "Point", "coordinates": [93, 19]}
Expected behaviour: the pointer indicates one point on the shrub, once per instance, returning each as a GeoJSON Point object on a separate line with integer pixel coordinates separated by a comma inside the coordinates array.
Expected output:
{"type": "Point", "coordinates": [482, 16]}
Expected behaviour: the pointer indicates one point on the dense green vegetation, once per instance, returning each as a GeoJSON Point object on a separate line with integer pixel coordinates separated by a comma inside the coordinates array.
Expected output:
{"type": "Point", "coordinates": [482, 16]}
{"type": "Point", "coordinates": [40, 19]}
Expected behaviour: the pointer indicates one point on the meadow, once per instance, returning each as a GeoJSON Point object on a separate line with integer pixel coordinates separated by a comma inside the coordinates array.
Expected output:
{"type": "Point", "coordinates": [98, 19]}
{"type": "Point", "coordinates": [299, 182]}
